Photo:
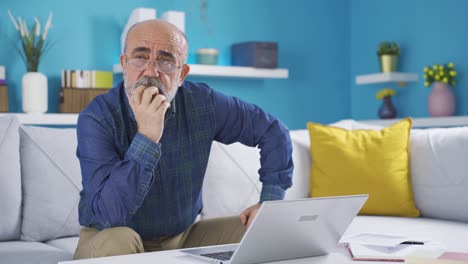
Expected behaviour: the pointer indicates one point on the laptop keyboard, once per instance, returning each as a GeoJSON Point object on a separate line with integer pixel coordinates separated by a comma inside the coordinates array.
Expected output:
{"type": "Point", "coordinates": [224, 255]}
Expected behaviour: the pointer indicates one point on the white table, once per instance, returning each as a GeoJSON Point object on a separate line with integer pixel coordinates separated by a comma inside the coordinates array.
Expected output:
{"type": "Point", "coordinates": [176, 257]}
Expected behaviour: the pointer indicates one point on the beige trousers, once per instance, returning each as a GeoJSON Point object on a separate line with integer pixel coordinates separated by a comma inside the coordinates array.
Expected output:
{"type": "Point", "coordinates": [123, 240]}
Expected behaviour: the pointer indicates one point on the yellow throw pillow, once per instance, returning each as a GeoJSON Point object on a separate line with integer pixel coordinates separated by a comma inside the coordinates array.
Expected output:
{"type": "Point", "coordinates": [376, 162]}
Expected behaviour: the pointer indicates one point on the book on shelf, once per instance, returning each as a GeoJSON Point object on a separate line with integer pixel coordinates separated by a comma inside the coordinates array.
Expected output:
{"type": "Point", "coordinates": [87, 79]}
{"type": "Point", "coordinates": [2, 75]}
{"type": "Point", "coordinates": [3, 98]}
{"type": "Point", "coordinates": [73, 100]}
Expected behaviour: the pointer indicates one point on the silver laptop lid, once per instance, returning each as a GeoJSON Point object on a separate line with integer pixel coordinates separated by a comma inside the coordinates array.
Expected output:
{"type": "Point", "coordinates": [297, 228]}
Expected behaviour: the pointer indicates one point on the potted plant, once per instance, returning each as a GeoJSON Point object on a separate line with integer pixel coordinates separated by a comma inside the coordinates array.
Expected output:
{"type": "Point", "coordinates": [386, 110]}
{"type": "Point", "coordinates": [33, 45]}
{"type": "Point", "coordinates": [441, 101]}
{"type": "Point", "coordinates": [388, 53]}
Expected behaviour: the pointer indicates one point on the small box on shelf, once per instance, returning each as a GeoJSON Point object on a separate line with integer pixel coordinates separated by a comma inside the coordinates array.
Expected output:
{"type": "Point", "coordinates": [74, 100]}
{"type": "Point", "coordinates": [255, 54]}
{"type": "Point", "coordinates": [3, 98]}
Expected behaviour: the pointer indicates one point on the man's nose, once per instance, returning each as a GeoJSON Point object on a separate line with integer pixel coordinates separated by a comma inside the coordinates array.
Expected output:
{"type": "Point", "coordinates": [151, 70]}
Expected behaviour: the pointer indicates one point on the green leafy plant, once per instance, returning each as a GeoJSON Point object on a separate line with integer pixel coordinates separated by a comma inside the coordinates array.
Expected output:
{"type": "Point", "coordinates": [388, 48]}
{"type": "Point", "coordinates": [33, 44]}
{"type": "Point", "coordinates": [440, 73]}
{"type": "Point", "coordinates": [381, 94]}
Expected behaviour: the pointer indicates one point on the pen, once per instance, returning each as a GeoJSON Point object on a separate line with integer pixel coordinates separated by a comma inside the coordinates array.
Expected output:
{"type": "Point", "coordinates": [412, 243]}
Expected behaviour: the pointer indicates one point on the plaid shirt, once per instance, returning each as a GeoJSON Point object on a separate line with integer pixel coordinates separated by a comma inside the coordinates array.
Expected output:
{"type": "Point", "coordinates": [155, 189]}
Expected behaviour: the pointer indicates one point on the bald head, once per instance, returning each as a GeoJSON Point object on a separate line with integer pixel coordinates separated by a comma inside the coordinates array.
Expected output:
{"type": "Point", "coordinates": [159, 32]}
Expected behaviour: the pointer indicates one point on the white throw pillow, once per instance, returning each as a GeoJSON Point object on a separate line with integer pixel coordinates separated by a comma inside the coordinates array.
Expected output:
{"type": "Point", "coordinates": [51, 183]}
{"type": "Point", "coordinates": [350, 124]}
{"type": "Point", "coordinates": [10, 179]}
{"type": "Point", "coordinates": [231, 181]}
{"type": "Point", "coordinates": [439, 171]}
{"type": "Point", "coordinates": [302, 161]}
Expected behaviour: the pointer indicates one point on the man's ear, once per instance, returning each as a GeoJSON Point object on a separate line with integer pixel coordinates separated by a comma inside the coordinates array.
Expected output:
{"type": "Point", "coordinates": [184, 72]}
{"type": "Point", "coordinates": [122, 61]}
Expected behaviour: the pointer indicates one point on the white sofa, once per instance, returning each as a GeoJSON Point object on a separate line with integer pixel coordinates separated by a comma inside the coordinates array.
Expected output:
{"type": "Point", "coordinates": [40, 181]}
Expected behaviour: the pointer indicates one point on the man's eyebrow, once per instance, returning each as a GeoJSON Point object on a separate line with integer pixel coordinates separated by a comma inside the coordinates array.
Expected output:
{"type": "Point", "coordinates": [141, 49]}
{"type": "Point", "coordinates": [166, 54]}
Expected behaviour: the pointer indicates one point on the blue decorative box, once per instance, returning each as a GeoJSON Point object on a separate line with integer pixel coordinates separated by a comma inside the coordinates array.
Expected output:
{"type": "Point", "coordinates": [255, 54]}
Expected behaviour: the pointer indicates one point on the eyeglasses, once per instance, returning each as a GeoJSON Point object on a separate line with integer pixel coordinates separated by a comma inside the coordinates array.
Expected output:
{"type": "Point", "coordinates": [141, 64]}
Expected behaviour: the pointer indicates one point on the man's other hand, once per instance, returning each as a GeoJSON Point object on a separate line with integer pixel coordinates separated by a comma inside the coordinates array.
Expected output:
{"type": "Point", "coordinates": [249, 214]}
{"type": "Point", "coordinates": [149, 107]}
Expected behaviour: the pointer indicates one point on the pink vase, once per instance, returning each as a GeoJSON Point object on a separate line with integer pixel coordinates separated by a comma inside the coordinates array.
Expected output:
{"type": "Point", "coordinates": [441, 100]}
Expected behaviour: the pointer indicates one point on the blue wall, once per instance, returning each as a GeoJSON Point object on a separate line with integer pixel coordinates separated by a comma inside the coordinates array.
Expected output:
{"type": "Point", "coordinates": [324, 44]}
{"type": "Point", "coordinates": [313, 39]}
{"type": "Point", "coordinates": [429, 32]}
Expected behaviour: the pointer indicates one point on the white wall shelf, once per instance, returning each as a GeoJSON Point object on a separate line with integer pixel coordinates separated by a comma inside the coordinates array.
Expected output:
{"type": "Point", "coordinates": [229, 71]}
{"type": "Point", "coordinates": [424, 122]}
{"type": "Point", "coordinates": [45, 119]}
{"type": "Point", "coordinates": [398, 77]}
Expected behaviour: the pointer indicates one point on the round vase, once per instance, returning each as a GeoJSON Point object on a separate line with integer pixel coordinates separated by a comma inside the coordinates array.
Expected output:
{"type": "Point", "coordinates": [34, 92]}
{"type": "Point", "coordinates": [441, 101]}
{"type": "Point", "coordinates": [387, 110]}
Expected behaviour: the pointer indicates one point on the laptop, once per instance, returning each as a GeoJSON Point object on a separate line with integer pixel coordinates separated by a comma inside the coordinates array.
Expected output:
{"type": "Point", "coordinates": [288, 229]}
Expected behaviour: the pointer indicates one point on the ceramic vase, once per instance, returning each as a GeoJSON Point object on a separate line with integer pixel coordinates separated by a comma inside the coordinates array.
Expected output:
{"type": "Point", "coordinates": [387, 110]}
{"type": "Point", "coordinates": [34, 92]}
{"type": "Point", "coordinates": [441, 101]}
{"type": "Point", "coordinates": [388, 63]}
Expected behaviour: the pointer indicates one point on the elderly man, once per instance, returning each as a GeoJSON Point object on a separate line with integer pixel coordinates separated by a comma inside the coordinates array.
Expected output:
{"type": "Point", "coordinates": [144, 148]}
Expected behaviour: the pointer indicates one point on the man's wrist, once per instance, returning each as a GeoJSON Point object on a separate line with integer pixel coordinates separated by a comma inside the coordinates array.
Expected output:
{"type": "Point", "coordinates": [145, 149]}
{"type": "Point", "coordinates": [271, 192]}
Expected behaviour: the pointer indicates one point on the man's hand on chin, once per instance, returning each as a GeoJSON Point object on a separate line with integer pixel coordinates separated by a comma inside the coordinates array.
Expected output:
{"type": "Point", "coordinates": [249, 214]}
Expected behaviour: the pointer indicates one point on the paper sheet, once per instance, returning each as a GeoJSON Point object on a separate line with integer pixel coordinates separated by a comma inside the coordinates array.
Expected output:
{"type": "Point", "coordinates": [383, 240]}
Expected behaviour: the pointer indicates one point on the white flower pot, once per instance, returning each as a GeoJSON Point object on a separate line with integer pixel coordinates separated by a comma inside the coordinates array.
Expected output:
{"type": "Point", "coordinates": [34, 89]}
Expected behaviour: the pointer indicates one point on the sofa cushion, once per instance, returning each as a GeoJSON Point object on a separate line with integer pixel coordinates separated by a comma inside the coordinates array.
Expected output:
{"type": "Point", "coordinates": [231, 181]}
{"type": "Point", "coordinates": [439, 169]}
{"type": "Point", "coordinates": [20, 252]}
{"type": "Point", "coordinates": [10, 179]}
{"type": "Point", "coordinates": [364, 161]}
{"type": "Point", "coordinates": [67, 244]}
{"type": "Point", "coordinates": [51, 183]}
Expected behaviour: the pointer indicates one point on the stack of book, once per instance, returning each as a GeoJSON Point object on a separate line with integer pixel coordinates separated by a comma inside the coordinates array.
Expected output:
{"type": "Point", "coordinates": [445, 258]}
{"type": "Point", "coordinates": [86, 79]}
{"type": "Point", "coordinates": [2, 75]}
{"type": "Point", "coordinates": [389, 247]}
{"type": "Point", "coordinates": [80, 87]}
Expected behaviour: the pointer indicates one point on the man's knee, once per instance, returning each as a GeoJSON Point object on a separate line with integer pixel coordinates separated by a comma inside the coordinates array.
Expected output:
{"type": "Point", "coordinates": [109, 242]}
{"type": "Point", "coordinates": [214, 231]}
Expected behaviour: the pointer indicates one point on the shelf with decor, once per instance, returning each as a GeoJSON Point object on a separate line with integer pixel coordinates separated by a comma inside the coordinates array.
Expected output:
{"type": "Point", "coordinates": [229, 71]}
{"type": "Point", "coordinates": [386, 77]}
{"type": "Point", "coordinates": [424, 122]}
